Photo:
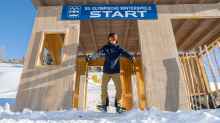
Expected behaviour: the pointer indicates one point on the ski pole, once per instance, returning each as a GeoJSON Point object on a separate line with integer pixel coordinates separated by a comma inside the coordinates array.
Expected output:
{"type": "Point", "coordinates": [84, 86]}
{"type": "Point", "coordinates": [135, 87]}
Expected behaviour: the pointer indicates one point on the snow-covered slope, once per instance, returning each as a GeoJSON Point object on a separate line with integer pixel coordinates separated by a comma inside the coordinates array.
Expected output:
{"type": "Point", "coordinates": [9, 79]}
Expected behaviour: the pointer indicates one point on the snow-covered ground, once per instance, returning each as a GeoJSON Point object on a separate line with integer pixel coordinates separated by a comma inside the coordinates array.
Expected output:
{"type": "Point", "coordinates": [9, 79]}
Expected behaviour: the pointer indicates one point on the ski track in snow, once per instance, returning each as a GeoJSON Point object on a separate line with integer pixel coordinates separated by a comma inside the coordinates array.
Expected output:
{"type": "Point", "coordinates": [9, 79]}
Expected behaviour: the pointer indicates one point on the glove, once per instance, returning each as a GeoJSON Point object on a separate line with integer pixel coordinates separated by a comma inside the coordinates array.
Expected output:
{"type": "Point", "coordinates": [132, 59]}
{"type": "Point", "coordinates": [88, 58]}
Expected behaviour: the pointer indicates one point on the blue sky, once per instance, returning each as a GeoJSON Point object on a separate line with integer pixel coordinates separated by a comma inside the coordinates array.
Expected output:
{"type": "Point", "coordinates": [16, 23]}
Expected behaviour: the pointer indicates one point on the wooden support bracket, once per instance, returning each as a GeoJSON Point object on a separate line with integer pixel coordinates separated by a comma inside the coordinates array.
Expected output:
{"type": "Point", "coordinates": [81, 90]}
{"type": "Point", "coordinates": [134, 93]}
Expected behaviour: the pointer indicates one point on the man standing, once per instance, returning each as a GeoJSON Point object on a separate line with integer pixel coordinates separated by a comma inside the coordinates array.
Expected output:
{"type": "Point", "coordinates": [111, 69]}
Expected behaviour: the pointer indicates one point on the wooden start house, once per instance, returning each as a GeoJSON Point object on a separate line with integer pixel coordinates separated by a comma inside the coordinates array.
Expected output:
{"type": "Point", "coordinates": [169, 52]}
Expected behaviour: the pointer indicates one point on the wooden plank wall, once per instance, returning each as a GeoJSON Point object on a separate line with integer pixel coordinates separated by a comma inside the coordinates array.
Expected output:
{"type": "Point", "coordinates": [126, 72]}
{"type": "Point", "coordinates": [80, 70]}
{"type": "Point", "coordinates": [197, 76]}
{"type": "Point", "coordinates": [140, 82]}
{"type": "Point", "coordinates": [48, 88]}
{"type": "Point", "coordinates": [161, 69]}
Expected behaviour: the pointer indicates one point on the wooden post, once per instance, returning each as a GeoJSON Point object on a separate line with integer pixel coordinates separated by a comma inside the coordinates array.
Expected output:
{"type": "Point", "coordinates": [190, 73]}
{"type": "Point", "coordinates": [201, 79]}
{"type": "Point", "coordinates": [162, 74]}
{"type": "Point", "coordinates": [200, 49]}
{"type": "Point", "coordinates": [81, 90]}
{"type": "Point", "coordinates": [213, 47]}
{"type": "Point", "coordinates": [184, 63]}
{"type": "Point", "coordinates": [197, 84]}
{"type": "Point", "coordinates": [212, 71]}
{"type": "Point", "coordinates": [186, 81]}
{"type": "Point", "coordinates": [134, 93]}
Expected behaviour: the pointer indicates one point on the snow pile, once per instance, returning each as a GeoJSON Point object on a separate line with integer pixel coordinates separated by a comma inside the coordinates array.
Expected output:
{"type": "Point", "coordinates": [152, 116]}
{"type": "Point", "coordinates": [213, 86]}
{"type": "Point", "coordinates": [9, 79]}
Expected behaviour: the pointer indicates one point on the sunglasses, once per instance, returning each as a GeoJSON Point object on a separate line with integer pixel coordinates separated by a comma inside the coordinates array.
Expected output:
{"type": "Point", "coordinates": [112, 38]}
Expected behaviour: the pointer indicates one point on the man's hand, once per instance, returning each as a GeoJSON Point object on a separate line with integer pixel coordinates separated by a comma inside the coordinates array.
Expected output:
{"type": "Point", "coordinates": [132, 59]}
{"type": "Point", "coordinates": [88, 58]}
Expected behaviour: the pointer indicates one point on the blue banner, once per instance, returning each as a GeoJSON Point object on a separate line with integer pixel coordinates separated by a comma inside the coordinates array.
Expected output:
{"type": "Point", "coordinates": [113, 11]}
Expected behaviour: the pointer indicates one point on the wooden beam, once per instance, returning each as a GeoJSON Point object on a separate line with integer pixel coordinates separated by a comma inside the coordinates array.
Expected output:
{"type": "Point", "coordinates": [136, 49]}
{"type": "Point", "coordinates": [92, 30]}
{"type": "Point", "coordinates": [83, 49]}
{"type": "Point", "coordinates": [85, 1]}
{"type": "Point", "coordinates": [127, 28]}
{"type": "Point", "coordinates": [40, 3]}
{"type": "Point", "coordinates": [180, 26]}
{"type": "Point", "coordinates": [191, 80]}
{"type": "Point", "coordinates": [134, 92]}
{"type": "Point", "coordinates": [217, 37]}
{"type": "Point", "coordinates": [62, 2]}
{"type": "Point", "coordinates": [81, 92]}
{"type": "Point", "coordinates": [200, 1]}
{"type": "Point", "coordinates": [209, 30]}
{"type": "Point", "coordinates": [155, 1]}
{"type": "Point", "coordinates": [126, 33]}
{"type": "Point", "coordinates": [107, 1]}
{"type": "Point", "coordinates": [108, 22]}
{"type": "Point", "coordinates": [176, 1]}
{"type": "Point", "coordinates": [212, 71]}
{"type": "Point", "coordinates": [191, 33]}
{"type": "Point", "coordinates": [184, 11]}
{"type": "Point", "coordinates": [206, 76]}
{"type": "Point", "coordinates": [93, 35]}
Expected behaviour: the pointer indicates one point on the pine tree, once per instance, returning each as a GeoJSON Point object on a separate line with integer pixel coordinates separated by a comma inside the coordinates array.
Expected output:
{"type": "Point", "coordinates": [22, 60]}
{"type": "Point", "coordinates": [49, 59]}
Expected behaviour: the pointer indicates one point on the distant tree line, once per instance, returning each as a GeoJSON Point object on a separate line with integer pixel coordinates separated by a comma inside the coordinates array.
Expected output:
{"type": "Point", "coordinates": [95, 69]}
{"type": "Point", "coordinates": [14, 61]}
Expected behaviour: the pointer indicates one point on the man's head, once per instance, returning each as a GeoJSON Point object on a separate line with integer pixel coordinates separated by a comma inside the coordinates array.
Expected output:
{"type": "Point", "coordinates": [112, 37]}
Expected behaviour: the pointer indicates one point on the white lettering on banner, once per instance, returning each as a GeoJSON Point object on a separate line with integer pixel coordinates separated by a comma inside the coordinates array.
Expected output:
{"type": "Point", "coordinates": [136, 8]}
{"type": "Point", "coordinates": [133, 13]}
{"type": "Point", "coordinates": [117, 13]}
{"type": "Point", "coordinates": [87, 8]}
{"type": "Point", "coordinates": [105, 8]}
{"type": "Point", "coordinates": [95, 14]}
{"type": "Point", "coordinates": [107, 13]}
{"type": "Point", "coordinates": [142, 13]}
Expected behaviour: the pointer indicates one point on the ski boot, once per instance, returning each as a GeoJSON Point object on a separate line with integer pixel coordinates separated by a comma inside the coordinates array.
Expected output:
{"type": "Point", "coordinates": [103, 108]}
{"type": "Point", "coordinates": [118, 108]}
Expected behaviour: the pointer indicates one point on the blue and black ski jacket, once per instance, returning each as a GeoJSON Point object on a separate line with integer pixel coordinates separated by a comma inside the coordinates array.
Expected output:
{"type": "Point", "coordinates": [112, 53]}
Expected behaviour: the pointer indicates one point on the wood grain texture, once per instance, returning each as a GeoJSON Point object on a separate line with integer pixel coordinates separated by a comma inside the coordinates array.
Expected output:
{"type": "Point", "coordinates": [190, 33]}
{"type": "Point", "coordinates": [193, 11]}
{"type": "Point", "coordinates": [188, 81]}
{"type": "Point", "coordinates": [134, 92]}
{"type": "Point", "coordinates": [212, 71]}
{"type": "Point", "coordinates": [160, 65]}
{"type": "Point", "coordinates": [206, 76]}
{"type": "Point", "coordinates": [195, 79]}
{"type": "Point", "coordinates": [81, 91]}
{"type": "Point", "coordinates": [207, 32]}
{"type": "Point", "coordinates": [48, 88]}
{"type": "Point", "coordinates": [201, 79]}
